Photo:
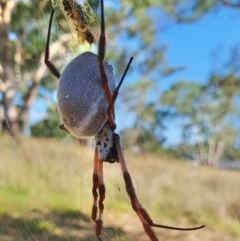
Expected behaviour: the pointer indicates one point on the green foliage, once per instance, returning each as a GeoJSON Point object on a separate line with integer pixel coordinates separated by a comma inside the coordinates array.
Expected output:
{"type": "Point", "coordinates": [41, 226]}
{"type": "Point", "coordinates": [208, 112]}
{"type": "Point", "coordinates": [46, 195]}
{"type": "Point", "coordinates": [47, 128]}
{"type": "Point", "coordinates": [27, 26]}
{"type": "Point", "coordinates": [141, 139]}
{"type": "Point", "coordinates": [130, 21]}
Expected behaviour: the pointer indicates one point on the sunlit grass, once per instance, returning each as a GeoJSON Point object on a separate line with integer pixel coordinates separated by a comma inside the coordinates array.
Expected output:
{"type": "Point", "coordinates": [45, 191]}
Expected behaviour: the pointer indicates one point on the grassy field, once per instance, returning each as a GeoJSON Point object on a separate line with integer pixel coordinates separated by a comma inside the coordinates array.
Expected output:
{"type": "Point", "coordinates": [45, 194]}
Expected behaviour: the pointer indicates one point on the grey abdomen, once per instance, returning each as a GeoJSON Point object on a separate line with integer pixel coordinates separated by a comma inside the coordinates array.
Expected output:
{"type": "Point", "coordinates": [81, 100]}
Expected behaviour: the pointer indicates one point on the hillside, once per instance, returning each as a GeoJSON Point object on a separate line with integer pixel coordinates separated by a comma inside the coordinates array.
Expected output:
{"type": "Point", "coordinates": [45, 194]}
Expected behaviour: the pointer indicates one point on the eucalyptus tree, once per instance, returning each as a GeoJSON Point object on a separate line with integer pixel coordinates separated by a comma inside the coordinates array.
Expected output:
{"type": "Point", "coordinates": [208, 115]}
{"type": "Point", "coordinates": [22, 69]}
{"type": "Point", "coordinates": [132, 29]}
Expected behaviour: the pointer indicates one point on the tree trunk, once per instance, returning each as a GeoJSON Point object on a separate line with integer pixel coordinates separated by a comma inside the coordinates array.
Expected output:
{"type": "Point", "coordinates": [7, 84]}
{"type": "Point", "coordinates": [13, 118]}
{"type": "Point", "coordinates": [215, 151]}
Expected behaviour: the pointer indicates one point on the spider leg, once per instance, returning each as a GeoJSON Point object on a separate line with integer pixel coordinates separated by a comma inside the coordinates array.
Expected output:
{"type": "Point", "coordinates": [137, 207]}
{"type": "Point", "coordinates": [95, 185]}
{"type": "Point", "coordinates": [115, 93]}
{"type": "Point", "coordinates": [99, 222]}
{"type": "Point", "coordinates": [101, 56]}
{"type": "Point", "coordinates": [50, 66]}
{"type": "Point", "coordinates": [98, 184]}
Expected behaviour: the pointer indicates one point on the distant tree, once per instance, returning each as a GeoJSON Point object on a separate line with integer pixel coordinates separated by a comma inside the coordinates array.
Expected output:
{"type": "Point", "coordinates": [48, 127]}
{"type": "Point", "coordinates": [23, 33]}
{"type": "Point", "coordinates": [23, 38]}
{"type": "Point", "coordinates": [209, 115]}
{"type": "Point", "coordinates": [150, 116]}
{"type": "Point", "coordinates": [189, 12]}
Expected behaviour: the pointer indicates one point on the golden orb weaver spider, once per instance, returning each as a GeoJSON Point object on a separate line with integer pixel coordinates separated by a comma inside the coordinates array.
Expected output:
{"type": "Point", "coordinates": [85, 99]}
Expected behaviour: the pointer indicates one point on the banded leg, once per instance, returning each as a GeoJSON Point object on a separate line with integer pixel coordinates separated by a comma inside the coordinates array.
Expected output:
{"type": "Point", "coordinates": [147, 222]}
{"type": "Point", "coordinates": [95, 185]}
{"type": "Point", "coordinates": [101, 190]}
{"type": "Point", "coordinates": [98, 185]}
{"type": "Point", "coordinates": [101, 55]}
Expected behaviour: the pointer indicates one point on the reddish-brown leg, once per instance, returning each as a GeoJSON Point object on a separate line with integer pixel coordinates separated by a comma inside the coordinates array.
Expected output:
{"type": "Point", "coordinates": [130, 189]}
{"type": "Point", "coordinates": [98, 184]}
{"type": "Point", "coordinates": [101, 56]}
{"type": "Point", "coordinates": [99, 222]}
{"type": "Point", "coordinates": [95, 185]}
{"type": "Point", "coordinates": [138, 208]}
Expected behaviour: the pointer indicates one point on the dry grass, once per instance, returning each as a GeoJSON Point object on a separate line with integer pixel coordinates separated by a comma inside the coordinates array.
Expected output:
{"type": "Point", "coordinates": [45, 194]}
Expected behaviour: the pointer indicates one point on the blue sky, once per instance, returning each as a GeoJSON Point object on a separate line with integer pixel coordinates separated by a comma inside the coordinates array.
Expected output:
{"type": "Point", "coordinates": [190, 45]}
{"type": "Point", "coordinates": [193, 44]}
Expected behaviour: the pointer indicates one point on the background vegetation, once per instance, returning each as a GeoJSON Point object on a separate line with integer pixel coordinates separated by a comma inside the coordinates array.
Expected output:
{"type": "Point", "coordinates": [209, 112]}
{"type": "Point", "coordinates": [45, 194]}
{"type": "Point", "coordinates": [45, 184]}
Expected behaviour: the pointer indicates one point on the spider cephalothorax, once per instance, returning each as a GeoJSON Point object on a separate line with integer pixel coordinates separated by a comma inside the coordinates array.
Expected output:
{"type": "Point", "coordinates": [85, 98]}
{"type": "Point", "coordinates": [104, 142]}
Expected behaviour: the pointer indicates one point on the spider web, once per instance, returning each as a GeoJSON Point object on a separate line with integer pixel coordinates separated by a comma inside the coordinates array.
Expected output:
{"type": "Point", "coordinates": [45, 193]}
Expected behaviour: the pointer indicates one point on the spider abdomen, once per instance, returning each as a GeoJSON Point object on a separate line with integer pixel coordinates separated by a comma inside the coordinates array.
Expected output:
{"type": "Point", "coordinates": [81, 100]}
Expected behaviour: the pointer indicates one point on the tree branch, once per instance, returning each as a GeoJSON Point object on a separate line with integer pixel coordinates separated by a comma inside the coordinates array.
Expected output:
{"type": "Point", "coordinates": [234, 5]}
{"type": "Point", "coordinates": [39, 73]}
